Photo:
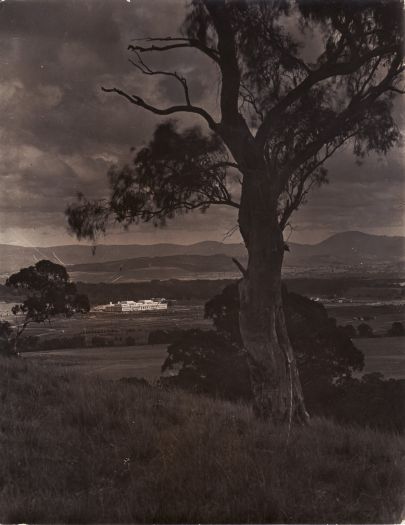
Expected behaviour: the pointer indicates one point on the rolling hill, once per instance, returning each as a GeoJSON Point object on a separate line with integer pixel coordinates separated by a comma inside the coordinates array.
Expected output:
{"type": "Point", "coordinates": [12, 258]}
{"type": "Point", "coordinates": [210, 259]}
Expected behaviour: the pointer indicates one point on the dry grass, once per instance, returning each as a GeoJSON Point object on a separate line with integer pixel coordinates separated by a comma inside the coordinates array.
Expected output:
{"type": "Point", "coordinates": [86, 450]}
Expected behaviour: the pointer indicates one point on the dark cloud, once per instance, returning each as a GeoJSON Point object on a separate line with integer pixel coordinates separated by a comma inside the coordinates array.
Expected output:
{"type": "Point", "coordinates": [59, 133]}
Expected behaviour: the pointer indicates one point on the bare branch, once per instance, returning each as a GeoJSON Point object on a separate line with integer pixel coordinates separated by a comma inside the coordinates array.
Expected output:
{"type": "Point", "coordinates": [230, 232]}
{"type": "Point", "coordinates": [302, 191]}
{"type": "Point", "coordinates": [138, 101]}
{"type": "Point", "coordinates": [396, 90]}
{"type": "Point", "coordinates": [146, 70]}
{"type": "Point", "coordinates": [177, 43]}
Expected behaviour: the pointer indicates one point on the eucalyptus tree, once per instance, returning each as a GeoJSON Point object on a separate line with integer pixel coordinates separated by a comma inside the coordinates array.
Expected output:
{"type": "Point", "coordinates": [47, 293]}
{"type": "Point", "coordinates": [297, 80]}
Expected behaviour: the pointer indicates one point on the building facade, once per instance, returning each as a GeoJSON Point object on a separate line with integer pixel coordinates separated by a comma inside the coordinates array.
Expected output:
{"type": "Point", "coordinates": [146, 305]}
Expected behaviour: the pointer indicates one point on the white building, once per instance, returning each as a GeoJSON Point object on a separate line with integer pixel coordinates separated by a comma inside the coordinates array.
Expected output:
{"type": "Point", "coordinates": [146, 305]}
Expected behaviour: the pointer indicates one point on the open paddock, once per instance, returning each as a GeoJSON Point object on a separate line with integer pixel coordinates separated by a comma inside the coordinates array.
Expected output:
{"type": "Point", "coordinates": [119, 326]}
{"type": "Point", "coordinates": [379, 316]}
{"type": "Point", "coordinates": [141, 361]}
{"type": "Point", "coordinates": [383, 354]}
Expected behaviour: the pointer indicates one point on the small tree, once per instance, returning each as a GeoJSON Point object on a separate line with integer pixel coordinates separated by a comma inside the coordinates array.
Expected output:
{"type": "Point", "coordinates": [284, 109]}
{"type": "Point", "coordinates": [396, 330]}
{"type": "Point", "coordinates": [48, 294]}
{"type": "Point", "coordinates": [365, 330]}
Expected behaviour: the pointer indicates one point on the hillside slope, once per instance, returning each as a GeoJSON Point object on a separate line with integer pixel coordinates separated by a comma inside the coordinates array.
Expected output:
{"type": "Point", "coordinates": [80, 450]}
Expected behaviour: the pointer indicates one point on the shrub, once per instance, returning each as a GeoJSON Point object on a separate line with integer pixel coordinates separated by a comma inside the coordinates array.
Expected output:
{"type": "Point", "coordinates": [396, 330]}
{"type": "Point", "coordinates": [365, 330]}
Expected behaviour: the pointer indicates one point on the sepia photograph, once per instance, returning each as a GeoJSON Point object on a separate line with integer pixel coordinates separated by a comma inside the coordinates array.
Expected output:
{"type": "Point", "coordinates": [202, 261]}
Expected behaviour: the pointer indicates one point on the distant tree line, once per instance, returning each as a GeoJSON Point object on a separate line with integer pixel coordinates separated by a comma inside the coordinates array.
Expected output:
{"type": "Point", "coordinates": [365, 330]}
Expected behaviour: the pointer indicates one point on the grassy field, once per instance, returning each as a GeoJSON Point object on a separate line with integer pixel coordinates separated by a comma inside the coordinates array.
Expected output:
{"type": "Point", "coordinates": [385, 355]}
{"type": "Point", "coordinates": [382, 354]}
{"type": "Point", "coordinates": [120, 326]}
{"type": "Point", "coordinates": [84, 450]}
{"type": "Point", "coordinates": [143, 361]}
{"type": "Point", "coordinates": [379, 317]}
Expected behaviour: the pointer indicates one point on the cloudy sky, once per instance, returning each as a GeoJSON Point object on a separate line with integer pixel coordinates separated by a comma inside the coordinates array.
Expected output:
{"type": "Point", "coordinates": [59, 133]}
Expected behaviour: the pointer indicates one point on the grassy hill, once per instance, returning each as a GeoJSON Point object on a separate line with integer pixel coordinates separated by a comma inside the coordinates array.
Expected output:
{"type": "Point", "coordinates": [75, 449]}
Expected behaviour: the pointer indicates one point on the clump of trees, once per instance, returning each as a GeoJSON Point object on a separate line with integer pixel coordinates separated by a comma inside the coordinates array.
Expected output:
{"type": "Point", "coordinates": [214, 362]}
{"type": "Point", "coordinates": [284, 109]}
{"type": "Point", "coordinates": [48, 294]}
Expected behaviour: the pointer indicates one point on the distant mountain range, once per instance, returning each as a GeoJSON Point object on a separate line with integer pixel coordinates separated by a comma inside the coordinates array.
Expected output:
{"type": "Point", "coordinates": [13, 258]}
{"type": "Point", "coordinates": [209, 258]}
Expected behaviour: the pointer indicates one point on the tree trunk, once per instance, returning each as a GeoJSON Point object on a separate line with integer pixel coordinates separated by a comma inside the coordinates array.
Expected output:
{"type": "Point", "coordinates": [273, 371]}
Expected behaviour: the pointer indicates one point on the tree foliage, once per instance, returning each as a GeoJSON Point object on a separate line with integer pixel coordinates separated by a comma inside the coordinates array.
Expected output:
{"type": "Point", "coordinates": [177, 172]}
{"type": "Point", "coordinates": [48, 294]}
{"type": "Point", "coordinates": [298, 79]}
{"type": "Point", "coordinates": [214, 362]}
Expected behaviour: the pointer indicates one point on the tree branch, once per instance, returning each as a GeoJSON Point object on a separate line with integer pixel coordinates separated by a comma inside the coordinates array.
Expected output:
{"type": "Point", "coordinates": [356, 107]}
{"type": "Point", "coordinates": [146, 70]}
{"type": "Point", "coordinates": [324, 72]}
{"type": "Point", "coordinates": [138, 101]}
{"type": "Point", "coordinates": [297, 199]}
{"type": "Point", "coordinates": [177, 43]}
{"type": "Point", "coordinates": [396, 90]}
{"type": "Point", "coordinates": [148, 215]}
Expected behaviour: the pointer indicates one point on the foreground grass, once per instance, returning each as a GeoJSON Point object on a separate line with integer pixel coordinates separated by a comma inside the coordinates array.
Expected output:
{"type": "Point", "coordinates": [74, 449]}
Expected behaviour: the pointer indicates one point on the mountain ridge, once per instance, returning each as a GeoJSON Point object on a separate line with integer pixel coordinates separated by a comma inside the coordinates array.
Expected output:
{"type": "Point", "coordinates": [343, 248]}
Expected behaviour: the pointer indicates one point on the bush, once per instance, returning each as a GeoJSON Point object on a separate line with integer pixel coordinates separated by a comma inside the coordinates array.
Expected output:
{"type": "Point", "coordinates": [370, 401]}
{"type": "Point", "coordinates": [365, 330]}
{"type": "Point", "coordinates": [396, 330]}
{"type": "Point", "coordinates": [208, 363]}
